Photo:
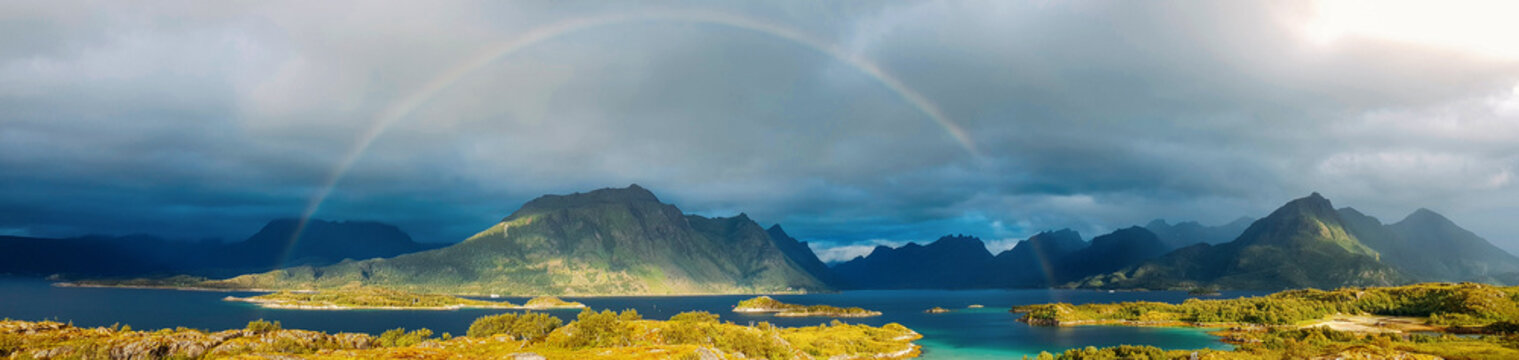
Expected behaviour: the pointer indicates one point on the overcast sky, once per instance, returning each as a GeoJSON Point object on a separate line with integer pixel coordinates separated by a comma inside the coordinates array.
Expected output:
{"type": "Point", "coordinates": [205, 119]}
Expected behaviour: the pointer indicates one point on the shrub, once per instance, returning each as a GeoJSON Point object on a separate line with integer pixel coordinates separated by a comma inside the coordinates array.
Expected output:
{"type": "Point", "coordinates": [528, 326]}
{"type": "Point", "coordinates": [399, 337]}
{"type": "Point", "coordinates": [261, 326]}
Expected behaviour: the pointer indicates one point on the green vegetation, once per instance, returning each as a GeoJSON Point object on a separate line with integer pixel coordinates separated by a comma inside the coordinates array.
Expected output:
{"type": "Point", "coordinates": [550, 302]}
{"type": "Point", "coordinates": [1465, 304]}
{"type": "Point", "coordinates": [399, 337]}
{"type": "Point", "coordinates": [526, 326]}
{"type": "Point", "coordinates": [593, 335]}
{"type": "Point", "coordinates": [1292, 324]}
{"type": "Point", "coordinates": [766, 304]}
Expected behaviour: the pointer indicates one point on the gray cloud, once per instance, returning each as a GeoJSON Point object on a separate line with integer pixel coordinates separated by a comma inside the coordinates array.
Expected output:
{"type": "Point", "coordinates": [203, 120]}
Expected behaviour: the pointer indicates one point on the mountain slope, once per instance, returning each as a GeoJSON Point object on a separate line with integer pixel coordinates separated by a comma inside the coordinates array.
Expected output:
{"type": "Point", "coordinates": [951, 262]}
{"type": "Point", "coordinates": [1426, 246]}
{"type": "Point", "coordinates": [801, 254]}
{"type": "Point", "coordinates": [605, 242]}
{"type": "Point", "coordinates": [1302, 244]}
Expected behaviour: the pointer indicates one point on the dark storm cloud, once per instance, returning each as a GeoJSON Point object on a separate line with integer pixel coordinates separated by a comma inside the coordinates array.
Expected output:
{"type": "Point", "coordinates": [204, 120]}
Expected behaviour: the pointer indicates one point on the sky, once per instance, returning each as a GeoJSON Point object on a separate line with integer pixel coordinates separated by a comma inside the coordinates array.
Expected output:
{"type": "Point", "coordinates": [852, 124]}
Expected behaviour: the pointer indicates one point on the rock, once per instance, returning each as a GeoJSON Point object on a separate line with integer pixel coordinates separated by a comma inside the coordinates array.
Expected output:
{"type": "Point", "coordinates": [936, 310]}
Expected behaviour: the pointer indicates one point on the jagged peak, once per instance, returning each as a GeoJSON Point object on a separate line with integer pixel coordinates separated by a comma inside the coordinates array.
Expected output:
{"type": "Point", "coordinates": [957, 240]}
{"type": "Point", "coordinates": [776, 229]}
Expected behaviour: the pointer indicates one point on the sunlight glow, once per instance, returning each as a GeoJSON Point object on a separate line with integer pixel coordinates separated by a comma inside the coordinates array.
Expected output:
{"type": "Point", "coordinates": [1487, 28]}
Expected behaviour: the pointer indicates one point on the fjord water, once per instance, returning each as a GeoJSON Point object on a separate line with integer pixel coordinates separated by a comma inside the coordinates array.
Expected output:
{"type": "Point", "coordinates": [989, 332]}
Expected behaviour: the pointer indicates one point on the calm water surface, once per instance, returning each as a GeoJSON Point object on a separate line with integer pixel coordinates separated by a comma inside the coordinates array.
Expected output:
{"type": "Point", "coordinates": [989, 332]}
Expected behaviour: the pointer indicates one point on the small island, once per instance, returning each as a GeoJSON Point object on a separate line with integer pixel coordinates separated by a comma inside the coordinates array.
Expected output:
{"type": "Point", "coordinates": [936, 310]}
{"type": "Point", "coordinates": [765, 304]}
{"type": "Point", "coordinates": [975, 306]}
{"type": "Point", "coordinates": [367, 298]}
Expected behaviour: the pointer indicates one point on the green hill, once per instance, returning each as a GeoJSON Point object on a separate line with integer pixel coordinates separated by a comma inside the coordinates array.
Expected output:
{"type": "Point", "coordinates": [1304, 243]}
{"type": "Point", "coordinates": [605, 242]}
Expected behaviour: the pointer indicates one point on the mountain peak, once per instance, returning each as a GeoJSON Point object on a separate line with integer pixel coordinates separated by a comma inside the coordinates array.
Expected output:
{"type": "Point", "coordinates": [1314, 204]}
{"type": "Point", "coordinates": [776, 229]}
{"type": "Point", "coordinates": [1426, 216]}
{"type": "Point", "coordinates": [631, 194]}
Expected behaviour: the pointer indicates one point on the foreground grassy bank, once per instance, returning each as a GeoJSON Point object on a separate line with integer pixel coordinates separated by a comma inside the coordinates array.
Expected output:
{"type": "Point", "coordinates": [592, 335]}
{"type": "Point", "coordinates": [1302, 324]}
{"type": "Point", "coordinates": [386, 299]}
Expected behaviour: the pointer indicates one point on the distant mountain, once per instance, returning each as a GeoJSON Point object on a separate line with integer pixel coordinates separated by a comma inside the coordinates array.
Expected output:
{"type": "Point", "coordinates": [801, 254]}
{"type": "Point", "coordinates": [1189, 233]}
{"type": "Point", "coordinates": [322, 243]}
{"type": "Point", "coordinates": [98, 256]}
{"type": "Point", "coordinates": [1304, 243]}
{"type": "Point", "coordinates": [1036, 262]}
{"type": "Point", "coordinates": [1111, 252]}
{"type": "Point", "coordinates": [605, 242]}
{"type": "Point", "coordinates": [951, 262]}
{"type": "Point", "coordinates": [1426, 246]}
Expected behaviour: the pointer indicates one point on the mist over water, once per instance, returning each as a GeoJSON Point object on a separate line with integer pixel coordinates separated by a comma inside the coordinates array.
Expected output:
{"type": "Point", "coordinates": [989, 332]}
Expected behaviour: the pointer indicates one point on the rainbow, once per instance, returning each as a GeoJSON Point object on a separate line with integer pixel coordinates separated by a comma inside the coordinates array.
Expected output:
{"type": "Point", "coordinates": [401, 109]}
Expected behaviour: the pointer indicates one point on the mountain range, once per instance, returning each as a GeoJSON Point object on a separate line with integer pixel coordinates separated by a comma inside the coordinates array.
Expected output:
{"type": "Point", "coordinates": [604, 242]}
{"type": "Point", "coordinates": [321, 242]}
{"type": "Point", "coordinates": [625, 241]}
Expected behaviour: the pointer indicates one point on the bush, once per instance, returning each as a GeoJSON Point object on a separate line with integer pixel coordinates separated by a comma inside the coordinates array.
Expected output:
{"type": "Point", "coordinates": [399, 337]}
{"type": "Point", "coordinates": [527, 326]}
{"type": "Point", "coordinates": [258, 326]}
{"type": "Point", "coordinates": [594, 329]}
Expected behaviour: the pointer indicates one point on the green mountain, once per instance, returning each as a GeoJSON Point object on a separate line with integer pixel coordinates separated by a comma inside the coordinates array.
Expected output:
{"type": "Point", "coordinates": [1426, 246]}
{"type": "Point", "coordinates": [605, 242]}
{"type": "Point", "coordinates": [1304, 243]}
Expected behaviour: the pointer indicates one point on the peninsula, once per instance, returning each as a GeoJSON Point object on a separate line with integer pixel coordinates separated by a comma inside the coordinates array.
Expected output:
{"type": "Point", "coordinates": [369, 298]}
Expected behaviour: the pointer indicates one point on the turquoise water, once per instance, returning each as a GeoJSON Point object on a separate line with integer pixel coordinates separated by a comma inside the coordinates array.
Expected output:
{"type": "Point", "coordinates": [989, 332]}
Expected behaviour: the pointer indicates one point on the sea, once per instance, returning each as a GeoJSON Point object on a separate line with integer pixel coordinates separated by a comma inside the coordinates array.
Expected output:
{"type": "Point", "coordinates": [988, 332]}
